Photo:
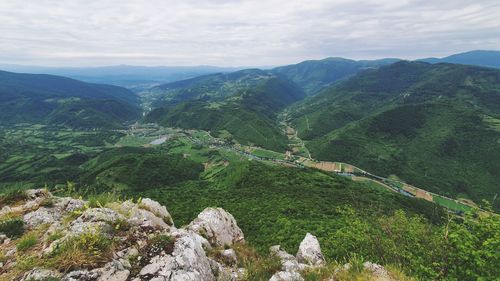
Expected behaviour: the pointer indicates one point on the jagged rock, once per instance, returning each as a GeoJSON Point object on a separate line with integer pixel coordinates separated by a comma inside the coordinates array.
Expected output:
{"type": "Point", "coordinates": [286, 276]}
{"type": "Point", "coordinates": [217, 226]}
{"type": "Point", "coordinates": [310, 251]}
{"type": "Point", "coordinates": [157, 209]}
{"type": "Point", "coordinates": [38, 274]}
{"type": "Point", "coordinates": [188, 261]}
{"type": "Point", "coordinates": [42, 216]}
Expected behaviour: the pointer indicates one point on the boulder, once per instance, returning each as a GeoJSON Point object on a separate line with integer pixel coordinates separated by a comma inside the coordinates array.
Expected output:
{"type": "Point", "coordinates": [42, 216]}
{"type": "Point", "coordinates": [157, 209]}
{"type": "Point", "coordinates": [310, 251]}
{"type": "Point", "coordinates": [217, 226]}
{"type": "Point", "coordinates": [146, 220]}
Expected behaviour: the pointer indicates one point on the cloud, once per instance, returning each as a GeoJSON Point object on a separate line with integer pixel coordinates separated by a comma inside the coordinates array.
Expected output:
{"type": "Point", "coordinates": [245, 32]}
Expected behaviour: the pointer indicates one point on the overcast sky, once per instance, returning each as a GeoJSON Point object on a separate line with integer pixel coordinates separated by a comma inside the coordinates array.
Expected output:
{"type": "Point", "coordinates": [239, 33]}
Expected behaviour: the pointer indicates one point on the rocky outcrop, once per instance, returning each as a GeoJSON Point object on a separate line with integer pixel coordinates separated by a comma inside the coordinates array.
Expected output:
{"type": "Point", "coordinates": [310, 251]}
{"type": "Point", "coordinates": [146, 244]}
{"type": "Point", "coordinates": [217, 226]}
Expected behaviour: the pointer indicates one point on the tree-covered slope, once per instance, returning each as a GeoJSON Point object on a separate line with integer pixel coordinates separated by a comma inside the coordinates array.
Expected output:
{"type": "Point", "coordinates": [58, 100]}
{"type": "Point", "coordinates": [314, 75]}
{"type": "Point", "coordinates": [245, 107]}
{"type": "Point", "coordinates": [436, 126]}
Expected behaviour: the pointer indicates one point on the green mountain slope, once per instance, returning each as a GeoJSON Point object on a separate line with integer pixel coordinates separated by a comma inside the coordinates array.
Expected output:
{"type": "Point", "coordinates": [435, 126]}
{"type": "Point", "coordinates": [58, 100]}
{"type": "Point", "coordinates": [314, 75]}
{"type": "Point", "coordinates": [243, 104]}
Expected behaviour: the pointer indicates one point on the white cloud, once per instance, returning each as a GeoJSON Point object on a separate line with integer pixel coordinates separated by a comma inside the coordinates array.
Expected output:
{"type": "Point", "coordinates": [247, 32]}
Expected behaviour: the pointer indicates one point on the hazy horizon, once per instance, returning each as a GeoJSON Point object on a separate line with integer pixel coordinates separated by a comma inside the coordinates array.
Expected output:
{"type": "Point", "coordinates": [239, 33]}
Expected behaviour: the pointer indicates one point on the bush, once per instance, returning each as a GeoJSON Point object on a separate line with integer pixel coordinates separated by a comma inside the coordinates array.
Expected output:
{"type": "Point", "coordinates": [12, 227]}
{"type": "Point", "coordinates": [27, 241]}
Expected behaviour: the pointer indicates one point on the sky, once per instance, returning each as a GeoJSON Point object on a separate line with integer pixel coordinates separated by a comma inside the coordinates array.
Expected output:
{"type": "Point", "coordinates": [240, 33]}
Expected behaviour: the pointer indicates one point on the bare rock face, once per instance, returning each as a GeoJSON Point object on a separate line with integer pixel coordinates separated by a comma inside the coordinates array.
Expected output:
{"type": "Point", "coordinates": [217, 226]}
{"type": "Point", "coordinates": [310, 251]}
{"type": "Point", "coordinates": [188, 261]}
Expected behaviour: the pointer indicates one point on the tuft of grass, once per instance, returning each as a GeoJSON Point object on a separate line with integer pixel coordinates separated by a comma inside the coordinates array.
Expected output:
{"type": "Point", "coordinates": [47, 202]}
{"type": "Point", "coordinates": [12, 195]}
{"type": "Point", "coordinates": [87, 250]}
{"type": "Point", "coordinates": [55, 236]}
{"type": "Point", "coordinates": [100, 200]}
{"type": "Point", "coordinates": [12, 227]}
{"type": "Point", "coordinates": [257, 267]}
{"type": "Point", "coordinates": [27, 241]}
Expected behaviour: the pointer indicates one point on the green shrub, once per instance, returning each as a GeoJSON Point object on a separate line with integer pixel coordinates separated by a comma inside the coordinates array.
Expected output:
{"type": "Point", "coordinates": [27, 241]}
{"type": "Point", "coordinates": [12, 227]}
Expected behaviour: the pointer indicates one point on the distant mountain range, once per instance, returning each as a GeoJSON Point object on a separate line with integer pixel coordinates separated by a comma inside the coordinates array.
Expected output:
{"type": "Point", "coordinates": [49, 99]}
{"type": "Point", "coordinates": [478, 58]}
{"type": "Point", "coordinates": [133, 77]}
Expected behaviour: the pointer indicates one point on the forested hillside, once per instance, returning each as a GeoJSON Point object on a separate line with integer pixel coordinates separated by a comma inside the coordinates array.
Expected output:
{"type": "Point", "coordinates": [435, 126]}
